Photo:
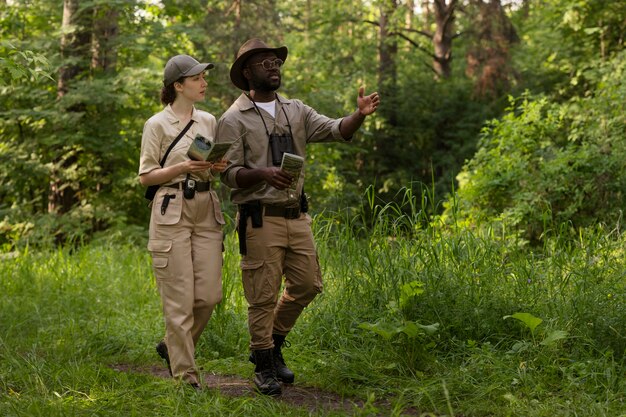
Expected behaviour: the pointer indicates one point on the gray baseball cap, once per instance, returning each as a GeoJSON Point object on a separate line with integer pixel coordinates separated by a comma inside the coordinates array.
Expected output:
{"type": "Point", "coordinates": [183, 66]}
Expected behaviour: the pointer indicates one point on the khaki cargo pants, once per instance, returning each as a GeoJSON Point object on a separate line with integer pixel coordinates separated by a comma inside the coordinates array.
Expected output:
{"type": "Point", "coordinates": [281, 247]}
{"type": "Point", "coordinates": [186, 247]}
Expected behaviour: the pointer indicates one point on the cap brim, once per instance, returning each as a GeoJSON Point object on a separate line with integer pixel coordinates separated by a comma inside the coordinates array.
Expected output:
{"type": "Point", "coordinates": [197, 69]}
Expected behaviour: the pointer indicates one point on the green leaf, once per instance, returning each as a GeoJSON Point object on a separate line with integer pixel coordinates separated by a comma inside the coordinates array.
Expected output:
{"type": "Point", "coordinates": [411, 329]}
{"type": "Point", "coordinates": [388, 330]}
{"type": "Point", "coordinates": [381, 328]}
{"type": "Point", "coordinates": [410, 290]}
{"type": "Point", "coordinates": [430, 328]}
{"type": "Point", "coordinates": [554, 337]}
{"type": "Point", "coordinates": [528, 319]}
{"type": "Point", "coordinates": [519, 347]}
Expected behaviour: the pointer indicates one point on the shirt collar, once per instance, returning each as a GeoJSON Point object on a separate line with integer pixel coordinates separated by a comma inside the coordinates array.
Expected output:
{"type": "Point", "coordinates": [243, 103]}
{"type": "Point", "coordinates": [173, 119]}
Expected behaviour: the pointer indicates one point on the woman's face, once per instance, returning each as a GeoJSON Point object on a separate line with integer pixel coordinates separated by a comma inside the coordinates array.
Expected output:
{"type": "Point", "coordinates": [192, 88]}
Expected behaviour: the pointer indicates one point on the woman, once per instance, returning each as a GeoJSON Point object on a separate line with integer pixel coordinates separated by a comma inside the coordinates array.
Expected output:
{"type": "Point", "coordinates": [186, 219]}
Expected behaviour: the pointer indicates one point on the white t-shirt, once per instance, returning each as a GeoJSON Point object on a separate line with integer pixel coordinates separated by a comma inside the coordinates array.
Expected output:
{"type": "Point", "coordinates": [269, 107]}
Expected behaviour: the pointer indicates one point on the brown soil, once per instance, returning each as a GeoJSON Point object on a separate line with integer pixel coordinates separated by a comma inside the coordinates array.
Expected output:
{"type": "Point", "coordinates": [313, 399]}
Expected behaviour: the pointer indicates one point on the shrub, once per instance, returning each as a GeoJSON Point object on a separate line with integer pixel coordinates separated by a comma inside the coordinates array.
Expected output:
{"type": "Point", "coordinates": [546, 163]}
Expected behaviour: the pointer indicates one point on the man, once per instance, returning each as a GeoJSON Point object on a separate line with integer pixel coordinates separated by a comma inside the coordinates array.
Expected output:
{"type": "Point", "coordinates": [275, 234]}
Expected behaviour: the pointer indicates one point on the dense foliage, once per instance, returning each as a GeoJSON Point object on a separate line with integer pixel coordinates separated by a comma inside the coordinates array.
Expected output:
{"type": "Point", "coordinates": [70, 142]}
{"type": "Point", "coordinates": [557, 157]}
{"type": "Point", "coordinates": [546, 163]}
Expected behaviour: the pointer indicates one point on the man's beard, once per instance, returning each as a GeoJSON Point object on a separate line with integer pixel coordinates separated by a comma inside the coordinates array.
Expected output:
{"type": "Point", "coordinates": [263, 84]}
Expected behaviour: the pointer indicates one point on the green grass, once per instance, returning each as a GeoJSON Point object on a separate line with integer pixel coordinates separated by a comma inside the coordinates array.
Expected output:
{"type": "Point", "coordinates": [67, 317]}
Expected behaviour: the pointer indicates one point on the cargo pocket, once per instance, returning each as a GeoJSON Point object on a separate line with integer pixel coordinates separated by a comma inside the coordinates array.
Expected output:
{"type": "Point", "coordinates": [160, 250]}
{"type": "Point", "coordinates": [217, 208]}
{"type": "Point", "coordinates": [318, 284]}
{"type": "Point", "coordinates": [256, 282]}
{"type": "Point", "coordinates": [167, 208]}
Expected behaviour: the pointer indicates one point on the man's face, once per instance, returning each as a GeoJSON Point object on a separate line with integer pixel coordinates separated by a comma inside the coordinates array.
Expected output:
{"type": "Point", "coordinates": [259, 76]}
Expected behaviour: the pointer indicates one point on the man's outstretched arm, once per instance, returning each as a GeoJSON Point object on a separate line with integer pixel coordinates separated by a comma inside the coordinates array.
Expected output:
{"type": "Point", "coordinates": [366, 106]}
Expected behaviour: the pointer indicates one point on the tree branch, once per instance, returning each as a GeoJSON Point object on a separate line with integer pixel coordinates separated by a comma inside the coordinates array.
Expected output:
{"type": "Point", "coordinates": [420, 32]}
{"type": "Point", "coordinates": [415, 44]}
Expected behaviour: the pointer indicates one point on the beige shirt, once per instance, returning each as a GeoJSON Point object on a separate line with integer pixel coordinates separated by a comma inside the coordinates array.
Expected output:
{"type": "Point", "coordinates": [253, 151]}
{"type": "Point", "coordinates": [161, 130]}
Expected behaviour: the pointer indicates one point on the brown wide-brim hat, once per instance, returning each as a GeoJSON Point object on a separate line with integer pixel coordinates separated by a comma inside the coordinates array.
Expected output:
{"type": "Point", "coordinates": [251, 47]}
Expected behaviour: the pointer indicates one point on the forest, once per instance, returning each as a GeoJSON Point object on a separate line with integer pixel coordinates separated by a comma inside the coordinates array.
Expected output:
{"type": "Point", "coordinates": [470, 234]}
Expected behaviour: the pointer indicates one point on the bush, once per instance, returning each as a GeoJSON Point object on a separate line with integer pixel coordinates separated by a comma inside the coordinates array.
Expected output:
{"type": "Point", "coordinates": [545, 163]}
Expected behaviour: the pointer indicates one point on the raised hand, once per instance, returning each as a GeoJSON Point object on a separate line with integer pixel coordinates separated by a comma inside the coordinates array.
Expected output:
{"type": "Point", "coordinates": [367, 104]}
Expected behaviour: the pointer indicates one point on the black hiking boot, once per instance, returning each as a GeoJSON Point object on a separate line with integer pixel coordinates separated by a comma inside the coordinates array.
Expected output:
{"type": "Point", "coordinates": [265, 374]}
{"type": "Point", "coordinates": [161, 349]}
{"type": "Point", "coordinates": [283, 373]}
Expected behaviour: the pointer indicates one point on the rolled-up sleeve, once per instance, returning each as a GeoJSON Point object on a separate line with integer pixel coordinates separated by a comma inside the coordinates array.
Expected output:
{"type": "Point", "coordinates": [320, 128]}
{"type": "Point", "coordinates": [228, 130]}
{"type": "Point", "coordinates": [150, 149]}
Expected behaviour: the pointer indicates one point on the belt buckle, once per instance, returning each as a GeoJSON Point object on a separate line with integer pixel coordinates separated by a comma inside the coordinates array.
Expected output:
{"type": "Point", "coordinates": [292, 212]}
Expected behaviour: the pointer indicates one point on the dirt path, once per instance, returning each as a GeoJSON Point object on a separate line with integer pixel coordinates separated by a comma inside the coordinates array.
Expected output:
{"type": "Point", "coordinates": [313, 399]}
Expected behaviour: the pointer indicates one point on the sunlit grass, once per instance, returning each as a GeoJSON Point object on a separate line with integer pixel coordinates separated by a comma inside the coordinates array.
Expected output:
{"type": "Point", "coordinates": [67, 317]}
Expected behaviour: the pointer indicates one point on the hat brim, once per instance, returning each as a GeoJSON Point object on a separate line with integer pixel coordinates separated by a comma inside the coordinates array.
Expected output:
{"type": "Point", "coordinates": [197, 69]}
{"type": "Point", "coordinates": [236, 70]}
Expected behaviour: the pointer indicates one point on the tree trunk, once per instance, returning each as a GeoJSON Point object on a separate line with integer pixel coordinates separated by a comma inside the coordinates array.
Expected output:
{"type": "Point", "coordinates": [410, 13]}
{"type": "Point", "coordinates": [488, 59]}
{"type": "Point", "coordinates": [104, 60]}
{"type": "Point", "coordinates": [105, 30]}
{"type": "Point", "coordinates": [442, 39]}
{"type": "Point", "coordinates": [426, 12]}
{"type": "Point", "coordinates": [236, 41]}
{"type": "Point", "coordinates": [75, 41]}
{"type": "Point", "coordinates": [387, 70]}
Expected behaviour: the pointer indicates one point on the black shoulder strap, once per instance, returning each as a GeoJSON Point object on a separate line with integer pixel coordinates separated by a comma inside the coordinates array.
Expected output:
{"type": "Point", "coordinates": [180, 135]}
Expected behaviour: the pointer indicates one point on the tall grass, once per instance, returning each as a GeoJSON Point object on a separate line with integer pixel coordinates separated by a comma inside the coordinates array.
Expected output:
{"type": "Point", "coordinates": [468, 281]}
{"type": "Point", "coordinates": [412, 315]}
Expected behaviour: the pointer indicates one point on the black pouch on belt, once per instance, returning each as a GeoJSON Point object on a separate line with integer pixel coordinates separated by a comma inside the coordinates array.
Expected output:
{"type": "Point", "coordinates": [241, 228]}
{"type": "Point", "coordinates": [253, 210]}
{"type": "Point", "coordinates": [256, 214]}
{"type": "Point", "coordinates": [189, 188]}
{"type": "Point", "coordinates": [304, 202]}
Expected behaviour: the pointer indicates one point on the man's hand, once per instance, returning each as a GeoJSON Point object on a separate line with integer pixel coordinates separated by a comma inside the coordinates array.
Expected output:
{"type": "Point", "coordinates": [277, 178]}
{"type": "Point", "coordinates": [367, 104]}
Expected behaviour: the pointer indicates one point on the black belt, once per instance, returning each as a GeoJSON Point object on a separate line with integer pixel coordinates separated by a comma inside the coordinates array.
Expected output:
{"type": "Point", "coordinates": [200, 186]}
{"type": "Point", "coordinates": [255, 210]}
{"type": "Point", "coordinates": [278, 211]}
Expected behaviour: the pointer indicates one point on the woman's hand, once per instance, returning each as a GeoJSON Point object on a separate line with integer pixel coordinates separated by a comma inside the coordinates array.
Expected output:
{"type": "Point", "coordinates": [195, 166]}
{"type": "Point", "coordinates": [219, 166]}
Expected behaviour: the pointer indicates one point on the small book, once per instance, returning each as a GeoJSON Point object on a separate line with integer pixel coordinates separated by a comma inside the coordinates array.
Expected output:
{"type": "Point", "coordinates": [203, 149]}
{"type": "Point", "coordinates": [293, 164]}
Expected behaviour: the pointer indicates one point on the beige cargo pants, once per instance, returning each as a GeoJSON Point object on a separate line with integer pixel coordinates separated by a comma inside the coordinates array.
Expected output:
{"type": "Point", "coordinates": [281, 247]}
{"type": "Point", "coordinates": [186, 248]}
